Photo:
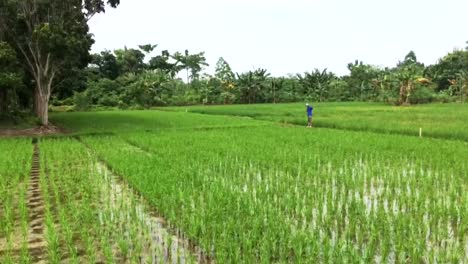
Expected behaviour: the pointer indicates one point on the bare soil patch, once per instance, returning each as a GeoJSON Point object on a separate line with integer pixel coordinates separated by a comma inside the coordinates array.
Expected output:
{"type": "Point", "coordinates": [32, 132]}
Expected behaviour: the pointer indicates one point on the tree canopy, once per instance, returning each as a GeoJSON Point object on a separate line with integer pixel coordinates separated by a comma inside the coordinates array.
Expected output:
{"type": "Point", "coordinates": [52, 37]}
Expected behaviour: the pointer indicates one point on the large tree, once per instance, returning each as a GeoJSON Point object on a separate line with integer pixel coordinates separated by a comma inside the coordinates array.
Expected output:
{"type": "Point", "coordinates": [162, 62]}
{"type": "Point", "coordinates": [360, 81]}
{"type": "Point", "coordinates": [51, 36]}
{"type": "Point", "coordinates": [130, 60]}
{"type": "Point", "coordinates": [447, 68]}
{"type": "Point", "coordinates": [224, 81]}
{"type": "Point", "coordinates": [106, 64]}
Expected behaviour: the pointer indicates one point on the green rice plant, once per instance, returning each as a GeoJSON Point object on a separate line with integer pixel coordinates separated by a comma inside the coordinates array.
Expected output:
{"type": "Point", "coordinates": [15, 165]}
{"type": "Point", "coordinates": [245, 191]}
{"type": "Point", "coordinates": [269, 194]}
{"type": "Point", "coordinates": [110, 122]}
{"type": "Point", "coordinates": [52, 239]}
{"type": "Point", "coordinates": [436, 120]}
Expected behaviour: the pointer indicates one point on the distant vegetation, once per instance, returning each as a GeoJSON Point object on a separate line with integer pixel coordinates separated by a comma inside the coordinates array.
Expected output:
{"type": "Point", "coordinates": [45, 60]}
{"type": "Point", "coordinates": [447, 121]}
{"type": "Point", "coordinates": [123, 79]}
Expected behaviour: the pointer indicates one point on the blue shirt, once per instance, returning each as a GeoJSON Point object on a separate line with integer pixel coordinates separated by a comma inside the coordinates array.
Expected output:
{"type": "Point", "coordinates": [309, 110]}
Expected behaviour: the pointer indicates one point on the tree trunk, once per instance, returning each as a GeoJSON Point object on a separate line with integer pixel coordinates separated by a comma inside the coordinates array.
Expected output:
{"type": "Point", "coordinates": [42, 93]}
{"type": "Point", "coordinates": [3, 101]}
{"type": "Point", "coordinates": [409, 89]}
{"type": "Point", "coordinates": [36, 102]}
{"type": "Point", "coordinates": [274, 95]}
{"type": "Point", "coordinates": [43, 108]}
{"type": "Point", "coordinates": [402, 98]}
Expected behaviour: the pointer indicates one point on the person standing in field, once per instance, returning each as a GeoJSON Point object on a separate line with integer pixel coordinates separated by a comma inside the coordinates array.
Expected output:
{"type": "Point", "coordinates": [309, 110]}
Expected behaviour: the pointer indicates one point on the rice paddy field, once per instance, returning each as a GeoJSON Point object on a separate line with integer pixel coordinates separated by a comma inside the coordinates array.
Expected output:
{"type": "Point", "coordinates": [448, 121]}
{"type": "Point", "coordinates": [215, 185]}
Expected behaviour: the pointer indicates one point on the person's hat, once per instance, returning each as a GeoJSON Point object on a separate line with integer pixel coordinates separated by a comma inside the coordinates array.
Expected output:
{"type": "Point", "coordinates": [307, 103]}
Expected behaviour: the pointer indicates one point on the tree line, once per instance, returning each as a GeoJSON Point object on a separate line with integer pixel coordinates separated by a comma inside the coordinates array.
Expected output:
{"type": "Point", "coordinates": [45, 60]}
{"type": "Point", "coordinates": [125, 78]}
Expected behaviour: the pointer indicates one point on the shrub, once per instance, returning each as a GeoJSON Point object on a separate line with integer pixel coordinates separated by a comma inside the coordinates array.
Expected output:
{"type": "Point", "coordinates": [82, 101]}
{"type": "Point", "coordinates": [422, 95]}
{"type": "Point", "coordinates": [109, 100]}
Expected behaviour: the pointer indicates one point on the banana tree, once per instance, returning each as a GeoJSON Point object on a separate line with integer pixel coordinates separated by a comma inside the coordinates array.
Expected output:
{"type": "Point", "coordinates": [407, 77]}
{"type": "Point", "coordinates": [251, 84]}
{"type": "Point", "coordinates": [277, 84]}
{"type": "Point", "coordinates": [316, 84]}
{"type": "Point", "coordinates": [460, 84]}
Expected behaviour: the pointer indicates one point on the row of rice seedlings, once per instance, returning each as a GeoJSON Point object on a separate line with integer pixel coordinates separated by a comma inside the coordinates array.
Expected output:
{"type": "Point", "coordinates": [71, 196]}
{"type": "Point", "coordinates": [333, 205]}
{"type": "Point", "coordinates": [15, 165]}
{"type": "Point", "coordinates": [142, 236]}
{"type": "Point", "coordinates": [91, 217]}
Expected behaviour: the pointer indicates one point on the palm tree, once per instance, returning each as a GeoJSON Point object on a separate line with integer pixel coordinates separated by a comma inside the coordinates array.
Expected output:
{"type": "Point", "coordinates": [461, 84]}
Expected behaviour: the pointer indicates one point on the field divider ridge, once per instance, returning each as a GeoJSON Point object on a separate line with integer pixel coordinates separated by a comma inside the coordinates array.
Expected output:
{"type": "Point", "coordinates": [284, 123]}
{"type": "Point", "coordinates": [35, 203]}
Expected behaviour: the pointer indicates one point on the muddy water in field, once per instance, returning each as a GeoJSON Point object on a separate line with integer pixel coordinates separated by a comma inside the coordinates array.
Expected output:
{"type": "Point", "coordinates": [146, 233]}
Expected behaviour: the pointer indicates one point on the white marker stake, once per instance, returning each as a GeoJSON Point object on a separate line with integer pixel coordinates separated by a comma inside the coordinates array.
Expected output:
{"type": "Point", "coordinates": [420, 132]}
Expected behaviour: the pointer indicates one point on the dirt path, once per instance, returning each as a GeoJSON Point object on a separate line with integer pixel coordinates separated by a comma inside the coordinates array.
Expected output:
{"type": "Point", "coordinates": [36, 243]}
{"type": "Point", "coordinates": [32, 132]}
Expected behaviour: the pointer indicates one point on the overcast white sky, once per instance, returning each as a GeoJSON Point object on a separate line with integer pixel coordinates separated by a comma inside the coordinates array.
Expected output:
{"type": "Point", "coordinates": [288, 36]}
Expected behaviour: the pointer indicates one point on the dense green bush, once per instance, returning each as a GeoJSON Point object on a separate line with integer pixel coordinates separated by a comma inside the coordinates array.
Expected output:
{"type": "Point", "coordinates": [82, 101]}
{"type": "Point", "coordinates": [422, 95]}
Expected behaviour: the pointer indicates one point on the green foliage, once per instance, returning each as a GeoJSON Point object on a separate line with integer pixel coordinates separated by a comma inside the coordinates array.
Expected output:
{"type": "Point", "coordinates": [53, 39]}
{"type": "Point", "coordinates": [106, 64]}
{"type": "Point", "coordinates": [10, 78]}
{"type": "Point", "coordinates": [223, 71]}
{"type": "Point", "coordinates": [360, 81]}
{"type": "Point", "coordinates": [143, 85]}
{"type": "Point", "coordinates": [422, 95]}
{"type": "Point", "coordinates": [316, 85]}
{"type": "Point", "coordinates": [162, 63]}
{"type": "Point", "coordinates": [192, 63]}
{"type": "Point", "coordinates": [459, 86]}
{"type": "Point", "coordinates": [99, 92]}
{"type": "Point", "coordinates": [447, 68]}
{"type": "Point", "coordinates": [82, 101]}
{"type": "Point", "coordinates": [251, 86]}
{"type": "Point", "coordinates": [130, 60]}
{"type": "Point", "coordinates": [148, 48]}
